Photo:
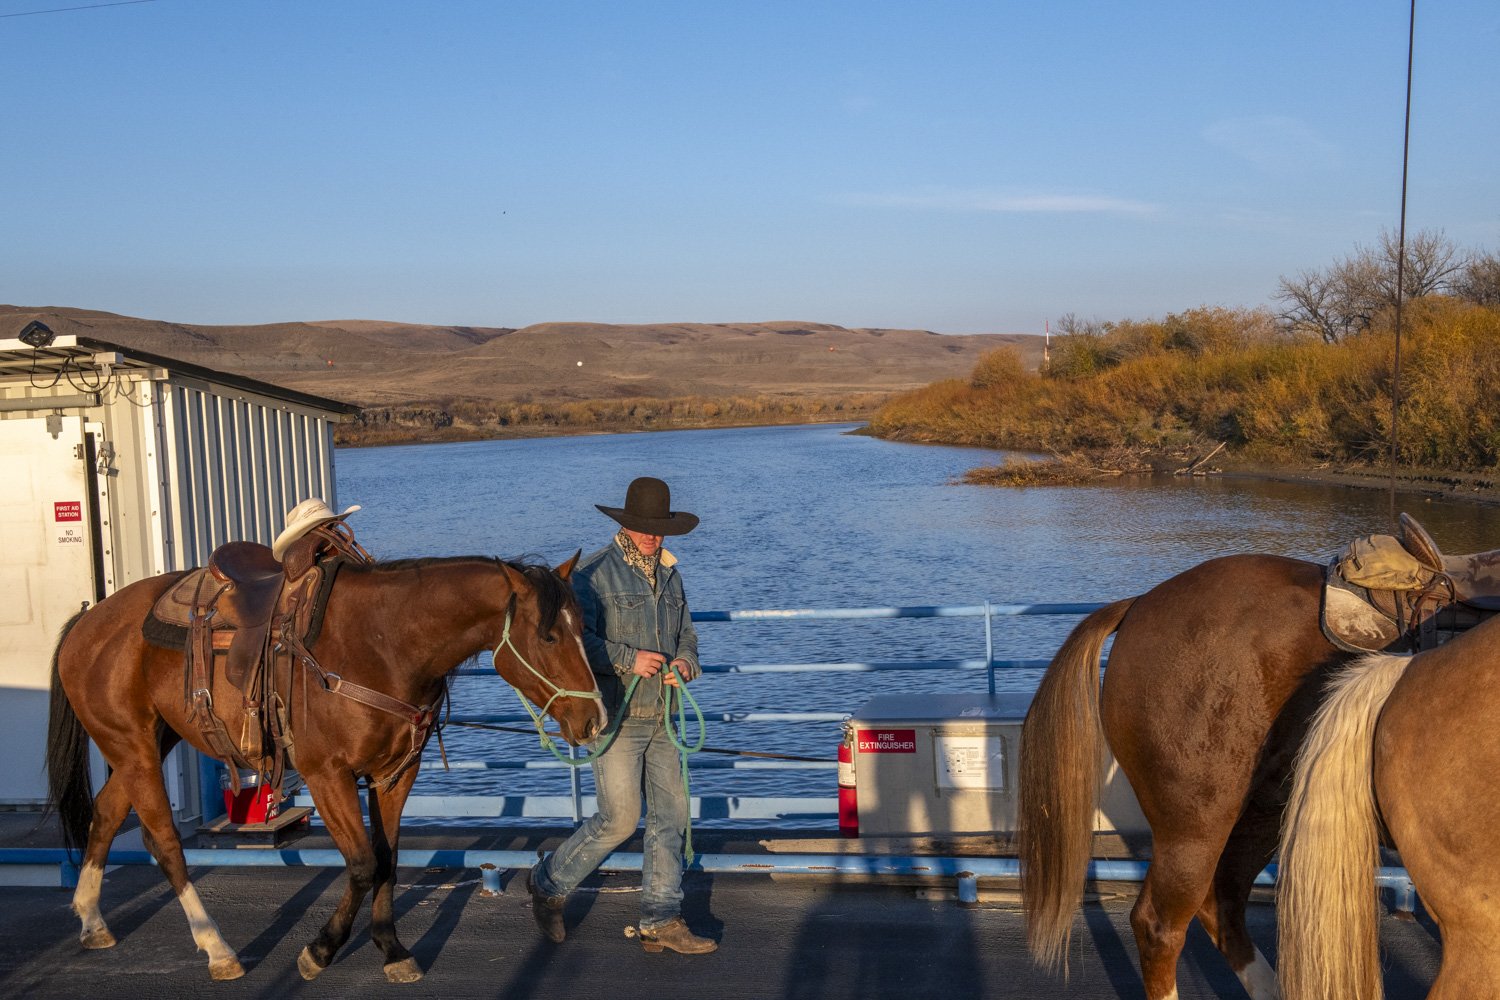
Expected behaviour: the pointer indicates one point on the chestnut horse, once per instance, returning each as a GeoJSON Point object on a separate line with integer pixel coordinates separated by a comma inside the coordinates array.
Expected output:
{"type": "Point", "coordinates": [1211, 682]}
{"type": "Point", "coordinates": [396, 628]}
{"type": "Point", "coordinates": [1413, 741]}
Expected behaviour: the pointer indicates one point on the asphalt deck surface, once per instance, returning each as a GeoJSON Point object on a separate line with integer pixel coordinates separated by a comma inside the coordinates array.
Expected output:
{"type": "Point", "coordinates": [787, 936]}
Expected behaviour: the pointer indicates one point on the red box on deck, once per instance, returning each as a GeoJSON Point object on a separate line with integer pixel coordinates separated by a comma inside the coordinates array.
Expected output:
{"type": "Point", "coordinates": [252, 804]}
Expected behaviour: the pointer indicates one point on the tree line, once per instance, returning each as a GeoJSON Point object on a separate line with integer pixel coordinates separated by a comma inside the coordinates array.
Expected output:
{"type": "Point", "coordinates": [1308, 384]}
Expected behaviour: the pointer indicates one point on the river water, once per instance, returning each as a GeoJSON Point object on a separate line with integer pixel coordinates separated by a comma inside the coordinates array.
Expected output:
{"type": "Point", "coordinates": [816, 517]}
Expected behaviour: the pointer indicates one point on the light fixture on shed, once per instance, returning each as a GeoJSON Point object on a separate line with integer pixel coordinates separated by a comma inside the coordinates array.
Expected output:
{"type": "Point", "coordinates": [37, 334]}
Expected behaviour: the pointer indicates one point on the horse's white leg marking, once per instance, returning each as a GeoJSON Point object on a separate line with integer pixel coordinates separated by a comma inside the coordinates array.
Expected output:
{"type": "Point", "coordinates": [1172, 995]}
{"type": "Point", "coordinates": [1259, 979]}
{"type": "Point", "coordinates": [222, 963]}
{"type": "Point", "coordinates": [86, 904]}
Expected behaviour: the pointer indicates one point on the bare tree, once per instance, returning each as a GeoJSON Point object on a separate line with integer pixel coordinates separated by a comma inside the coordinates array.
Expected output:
{"type": "Point", "coordinates": [1070, 325]}
{"type": "Point", "coordinates": [1432, 261]}
{"type": "Point", "coordinates": [1314, 303]}
{"type": "Point", "coordinates": [1479, 281]}
{"type": "Point", "coordinates": [1346, 298]}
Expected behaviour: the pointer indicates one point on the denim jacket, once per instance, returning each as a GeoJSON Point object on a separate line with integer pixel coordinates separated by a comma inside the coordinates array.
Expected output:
{"type": "Point", "coordinates": [623, 614]}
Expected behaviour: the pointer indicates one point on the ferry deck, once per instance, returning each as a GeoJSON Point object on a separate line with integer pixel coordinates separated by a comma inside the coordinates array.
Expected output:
{"type": "Point", "coordinates": [791, 936]}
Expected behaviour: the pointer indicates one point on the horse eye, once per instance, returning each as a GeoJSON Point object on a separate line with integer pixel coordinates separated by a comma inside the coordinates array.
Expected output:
{"type": "Point", "coordinates": [549, 639]}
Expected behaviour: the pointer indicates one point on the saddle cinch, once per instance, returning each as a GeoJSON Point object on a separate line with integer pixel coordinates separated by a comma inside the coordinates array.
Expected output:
{"type": "Point", "coordinates": [246, 616]}
{"type": "Point", "coordinates": [1390, 593]}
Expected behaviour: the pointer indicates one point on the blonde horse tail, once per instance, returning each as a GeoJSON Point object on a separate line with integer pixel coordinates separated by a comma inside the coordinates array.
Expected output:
{"type": "Point", "coordinates": [1327, 908]}
{"type": "Point", "coordinates": [1062, 749]}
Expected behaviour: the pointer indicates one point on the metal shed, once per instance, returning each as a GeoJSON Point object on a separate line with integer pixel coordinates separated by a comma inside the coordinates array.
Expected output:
{"type": "Point", "coordinates": [119, 465]}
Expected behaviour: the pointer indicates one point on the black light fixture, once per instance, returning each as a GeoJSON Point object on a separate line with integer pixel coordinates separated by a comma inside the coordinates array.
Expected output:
{"type": "Point", "coordinates": [37, 334]}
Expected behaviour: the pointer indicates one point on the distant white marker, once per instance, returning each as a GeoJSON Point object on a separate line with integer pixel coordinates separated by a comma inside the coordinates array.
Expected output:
{"type": "Point", "coordinates": [580, 364]}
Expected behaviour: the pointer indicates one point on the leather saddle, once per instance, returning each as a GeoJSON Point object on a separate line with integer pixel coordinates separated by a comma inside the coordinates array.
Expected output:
{"type": "Point", "coordinates": [235, 619]}
{"type": "Point", "coordinates": [1385, 592]}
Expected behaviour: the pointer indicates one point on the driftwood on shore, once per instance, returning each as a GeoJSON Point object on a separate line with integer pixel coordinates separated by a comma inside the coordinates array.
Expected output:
{"type": "Point", "coordinates": [1191, 468]}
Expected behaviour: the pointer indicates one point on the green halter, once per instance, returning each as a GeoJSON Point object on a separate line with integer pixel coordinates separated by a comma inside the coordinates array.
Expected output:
{"type": "Point", "coordinates": [539, 718]}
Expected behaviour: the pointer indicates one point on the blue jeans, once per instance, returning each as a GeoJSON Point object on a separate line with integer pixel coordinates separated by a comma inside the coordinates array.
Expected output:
{"type": "Point", "coordinates": [642, 757]}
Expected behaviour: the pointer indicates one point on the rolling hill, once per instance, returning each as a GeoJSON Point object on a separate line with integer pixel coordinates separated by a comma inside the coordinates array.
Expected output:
{"type": "Point", "coordinates": [402, 367]}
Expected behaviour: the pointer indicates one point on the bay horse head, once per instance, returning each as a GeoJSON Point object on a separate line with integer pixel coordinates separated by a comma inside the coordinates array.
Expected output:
{"type": "Point", "coordinates": [540, 651]}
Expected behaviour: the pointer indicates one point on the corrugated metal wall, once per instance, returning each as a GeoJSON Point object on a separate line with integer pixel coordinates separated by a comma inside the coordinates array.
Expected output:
{"type": "Point", "coordinates": [234, 465]}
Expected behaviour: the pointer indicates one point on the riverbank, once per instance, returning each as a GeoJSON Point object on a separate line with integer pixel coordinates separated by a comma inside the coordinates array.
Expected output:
{"type": "Point", "coordinates": [1428, 484]}
{"type": "Point", "coordinates": [1103, 466]}
{"type": "Point", "coordinates": [437, 423]}
{"type": "Point", "coordinates": [1160, 396]}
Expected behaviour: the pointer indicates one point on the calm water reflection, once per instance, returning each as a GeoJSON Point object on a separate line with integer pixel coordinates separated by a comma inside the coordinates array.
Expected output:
{"type": "Point", "coordinates": [815, 517]}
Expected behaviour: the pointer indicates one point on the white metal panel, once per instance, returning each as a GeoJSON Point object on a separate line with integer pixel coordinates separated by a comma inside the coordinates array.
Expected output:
{"type": "Point", "coordinates": [46, 575]}
{"type": "Point", "coordinates": [187, 463]}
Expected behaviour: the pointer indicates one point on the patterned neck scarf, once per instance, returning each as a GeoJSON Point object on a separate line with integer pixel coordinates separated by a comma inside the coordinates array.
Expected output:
{"type": "Point", "coordinates": [634, 557]}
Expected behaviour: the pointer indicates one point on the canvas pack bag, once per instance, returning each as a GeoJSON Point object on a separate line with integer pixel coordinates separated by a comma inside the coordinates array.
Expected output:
{"type": "Point", "coordinates": [1380, 562]}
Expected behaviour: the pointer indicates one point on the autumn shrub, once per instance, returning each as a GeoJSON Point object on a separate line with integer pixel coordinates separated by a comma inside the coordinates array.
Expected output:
{"type": "Point", "coordinates": [1000, 370]}
{"type": "Point", "coordinates": [1231, 376]}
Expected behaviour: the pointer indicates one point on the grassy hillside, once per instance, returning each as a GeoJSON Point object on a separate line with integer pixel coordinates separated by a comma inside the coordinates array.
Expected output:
{"type": "Point", "coordinates": [1157, 395]}
{"type": "Point", "coordinates": [438, 382]}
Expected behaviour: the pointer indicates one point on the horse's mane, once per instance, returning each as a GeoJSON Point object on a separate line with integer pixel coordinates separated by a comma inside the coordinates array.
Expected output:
{"type": "Point", "coordinates": [552, 592]}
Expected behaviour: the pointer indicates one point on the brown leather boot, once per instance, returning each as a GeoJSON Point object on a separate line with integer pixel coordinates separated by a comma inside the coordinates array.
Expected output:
{"type": "Point", "coordinates": [547, 911]}
{"type": "Point", "coordinates": [674, 935]}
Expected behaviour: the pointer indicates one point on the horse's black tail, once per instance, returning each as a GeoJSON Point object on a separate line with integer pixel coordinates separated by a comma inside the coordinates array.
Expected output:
{"type": "Point", "coordinates": [70, 786]}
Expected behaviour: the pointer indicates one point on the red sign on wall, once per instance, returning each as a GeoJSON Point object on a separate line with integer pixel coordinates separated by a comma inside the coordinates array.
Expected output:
{"type": "Point", "coordinates": [886, 740]}
{"type": "Point", "coordinates": [67, 510]}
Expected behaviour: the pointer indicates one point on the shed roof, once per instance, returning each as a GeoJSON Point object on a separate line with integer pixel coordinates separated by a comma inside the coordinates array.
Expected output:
{"type": "Point", "coordinates": [78, 354]}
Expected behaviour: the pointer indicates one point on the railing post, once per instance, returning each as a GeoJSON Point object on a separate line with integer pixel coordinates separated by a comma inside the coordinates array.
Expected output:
{"type": "Point", "coordinates": [989, 647]}
{"type": "Point", "coordinates": [968, 890]}
{"type": "Point", "coordinates": [489, 875]}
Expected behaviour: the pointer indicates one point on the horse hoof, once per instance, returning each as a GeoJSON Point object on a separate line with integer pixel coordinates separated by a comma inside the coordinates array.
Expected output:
{"type": "Point", "coordinates": [404, 971]}
{"type": "Point", "coordinates": [101, 938]}
{"type": "Point", "coordinates": [229, 968]}
{"type": "Point", "coordinates": [307, 966]}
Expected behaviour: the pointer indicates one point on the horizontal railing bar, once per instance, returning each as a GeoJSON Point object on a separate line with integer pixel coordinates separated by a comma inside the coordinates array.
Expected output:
{"type": "Point", "coordinates": [561, 806]}
{"type": "Point", "coordinates": [919, 611]}
{"type": "Point", "coordinates": [873, 665]}
{"type": "Point", "coordinates": [696, 763]}
{"type": "Point", "coordinates": [831, 668]}
{"type": "Point", "coordinates": [708, 716]}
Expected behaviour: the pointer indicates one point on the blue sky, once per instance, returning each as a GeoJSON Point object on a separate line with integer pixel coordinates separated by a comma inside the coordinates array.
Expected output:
{"type": "Point", "coordinates": [961, 167]}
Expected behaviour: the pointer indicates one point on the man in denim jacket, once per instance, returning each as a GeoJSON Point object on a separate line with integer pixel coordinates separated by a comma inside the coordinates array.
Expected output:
{"type": "Point", "coordinates": [635, 624]}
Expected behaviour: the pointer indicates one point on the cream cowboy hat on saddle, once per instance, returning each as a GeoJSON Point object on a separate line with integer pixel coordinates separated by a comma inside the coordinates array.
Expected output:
{"type": "Point", "coordinates": [303, 518]}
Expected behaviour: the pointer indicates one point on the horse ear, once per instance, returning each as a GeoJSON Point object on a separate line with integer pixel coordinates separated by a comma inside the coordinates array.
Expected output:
{"type": "Point", "coordinates": [566, 569]}
{"type": "Point", "coordinates": [514, 580]}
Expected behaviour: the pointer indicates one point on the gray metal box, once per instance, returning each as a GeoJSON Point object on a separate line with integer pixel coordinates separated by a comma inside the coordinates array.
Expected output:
{"type": "Point", "coordinates": [947, 764]}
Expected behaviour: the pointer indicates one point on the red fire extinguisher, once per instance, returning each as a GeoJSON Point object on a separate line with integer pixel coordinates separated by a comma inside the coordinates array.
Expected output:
{"type": "Point", "coordinates": [848, 793]}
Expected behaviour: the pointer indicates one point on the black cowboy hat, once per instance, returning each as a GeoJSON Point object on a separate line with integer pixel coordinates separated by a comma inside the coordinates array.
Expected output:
{"type": "Point", "coordinates": [647, 510]}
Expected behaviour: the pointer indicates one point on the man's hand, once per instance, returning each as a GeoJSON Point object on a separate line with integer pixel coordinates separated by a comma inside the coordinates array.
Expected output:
{"type": "Point", "coordinates": [683, 668]}
{"type": "Point", "coordinates": [647, 663]}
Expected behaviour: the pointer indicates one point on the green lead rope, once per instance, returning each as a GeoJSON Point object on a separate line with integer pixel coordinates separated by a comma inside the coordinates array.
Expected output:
{"type": "Point", "coordinates": [683, 697]}
{"type": "Point", "coordinates": [678, 697]}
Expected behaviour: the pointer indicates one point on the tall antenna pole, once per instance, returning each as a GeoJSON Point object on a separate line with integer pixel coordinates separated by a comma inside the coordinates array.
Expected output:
{"type": "Point", "coordinates": [1411, 34]}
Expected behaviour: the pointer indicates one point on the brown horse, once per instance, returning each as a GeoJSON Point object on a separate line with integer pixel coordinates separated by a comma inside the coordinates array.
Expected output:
{"type": "Point", "coordinates": [1414, 737]}
{"type": "Point", "coordinates": [397, 628]}
{"type": "Point", "coordinates": [1211, 682]}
